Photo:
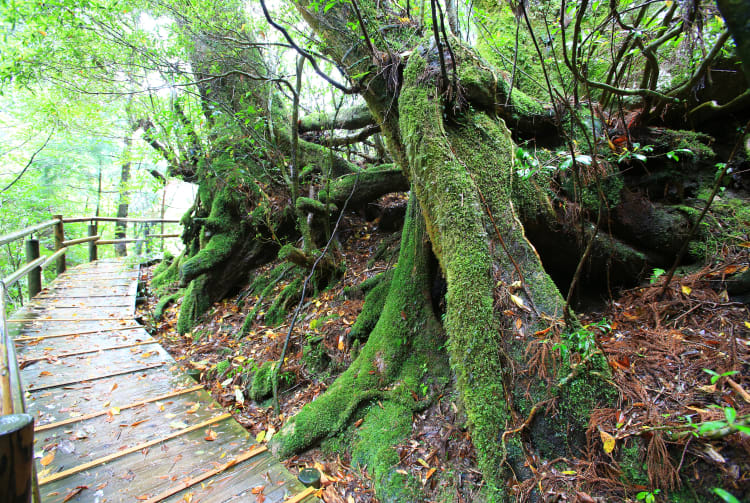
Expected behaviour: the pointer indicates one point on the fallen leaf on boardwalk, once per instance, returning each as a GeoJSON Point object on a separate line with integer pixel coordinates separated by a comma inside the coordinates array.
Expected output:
{"type": "Point", "coordinates": [177, 425]}
{"type": "Point", "coordinates": [115, 411]}
{"type": "Point", "coordinates": [188, 498]}
{"type": "Point", "coordinates": [47, 459]}
{"type": "Point", "coordinates": [257, 489]}
{"type": "Point", "coordinates": [194, 408]}
{"type": "Point", "coordinates": [260, 436]}
{"type": "Point", "coordinates": [608, 441]}
{"type": "Point", "coordinates": [114, 387]}
{"type": "Point", "coordinates": [45, 373]}
{"type": "Point", "coordinates": [211, 435]}
{"type": "Point", "coordinates": [137, 423]}
{"type": "Point", "coordinates": [74, 492]}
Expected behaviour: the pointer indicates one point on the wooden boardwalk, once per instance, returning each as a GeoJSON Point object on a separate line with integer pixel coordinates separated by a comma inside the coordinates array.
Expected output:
{"type": "Point", "coordinates": [116, 420]}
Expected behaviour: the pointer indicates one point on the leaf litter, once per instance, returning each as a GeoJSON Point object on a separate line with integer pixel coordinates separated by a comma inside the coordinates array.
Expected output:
{"type": "Point", "coordinates": [659, 349]}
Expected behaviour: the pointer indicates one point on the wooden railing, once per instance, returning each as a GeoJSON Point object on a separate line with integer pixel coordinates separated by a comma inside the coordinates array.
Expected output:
{"type": "Point", "coordinates": [16, 427]}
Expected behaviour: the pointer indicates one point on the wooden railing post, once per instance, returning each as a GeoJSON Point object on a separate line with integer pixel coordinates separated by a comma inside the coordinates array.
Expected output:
{"type": "Point", "coordinates": [93, 228]}
{"type": "Point", "coordinates": [17, 453]}
{"type": "Point", "coordinates": [35, 275]}
{"type": "Point", "coordinates": [59, 238]}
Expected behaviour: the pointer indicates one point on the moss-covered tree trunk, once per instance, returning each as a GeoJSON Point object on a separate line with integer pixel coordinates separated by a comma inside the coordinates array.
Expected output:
{"type": "Point", "coordinates": [502, 307]}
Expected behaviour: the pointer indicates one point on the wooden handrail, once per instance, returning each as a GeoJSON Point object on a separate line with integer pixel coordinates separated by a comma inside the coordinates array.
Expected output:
{"type": "Point", "coordinates": [12, 278]}
{"type": "Point", "coordinates": [118, 241]}
{"type": "Point", "coordinates": [35, 266]}
{"type": "Point", "coordinates": [13, 236]}
{"type": "Point", "coordinates": [82, 240]}
{"type": "Point", "coordinates": [117, 219]}
{"type": "Point", "coordinates": [51, 258]}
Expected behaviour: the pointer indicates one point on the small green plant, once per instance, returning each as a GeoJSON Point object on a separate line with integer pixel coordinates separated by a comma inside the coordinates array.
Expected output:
{"type": "Point", "coordinates": [636, 152]}
{"type": "Point", "coordinates": [715, 376]}
{"type": "Point", "coordinates": [655, 275]}
{"type": "Point", "coordinates": [729, 421]}
{"type": "Point", "coordinates": [725, 495]}
{"type": "Point", "coordinates": [582, 341]}
{"type": "Point", "coordinates": [527, 164]}
{"type": "Point", "coordinates": [647, 496]}
{"type": "Point", "coordinates": [672, 154]}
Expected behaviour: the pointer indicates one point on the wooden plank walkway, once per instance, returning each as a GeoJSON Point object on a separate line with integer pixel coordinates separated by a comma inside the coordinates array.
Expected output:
{"type": "Point", "coordinates": [116, 421]}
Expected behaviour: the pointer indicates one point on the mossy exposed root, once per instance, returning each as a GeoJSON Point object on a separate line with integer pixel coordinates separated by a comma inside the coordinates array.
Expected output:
{"type": "Point", "coordinates": [276, 314]}
{"type": "Point", "coordinates": [397, 365]}
{"type": "Point", "coordinates": [165, 301]}
{"type": "Point", "coordinates": [373, 306]}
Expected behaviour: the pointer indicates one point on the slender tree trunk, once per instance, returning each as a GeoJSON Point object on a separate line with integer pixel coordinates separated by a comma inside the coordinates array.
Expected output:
{"type": "Point", "coordinates": [124, 198]}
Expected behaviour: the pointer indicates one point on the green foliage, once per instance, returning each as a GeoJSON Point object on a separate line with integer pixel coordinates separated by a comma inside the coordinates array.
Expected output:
{"type": "Point", "coordinates": [647, 496]}
{"type": "Point", "coordinates": [716, 376]}
{"type": "Point", "coordinates": [582, 341]}
{"type": "Point", "coordinates": [656, 274]}
{"type": "Point", "coordinates": [725, 495]}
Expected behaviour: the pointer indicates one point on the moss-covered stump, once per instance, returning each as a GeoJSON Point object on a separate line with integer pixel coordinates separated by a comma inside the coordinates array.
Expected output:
{"type": "Point", "coordinates": [400, 357]}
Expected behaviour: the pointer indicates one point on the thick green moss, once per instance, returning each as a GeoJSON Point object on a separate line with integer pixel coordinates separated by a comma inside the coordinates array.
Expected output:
{"type": "Point", "coordinates": [221, 235]}
{"type": "Point", "coordinates": [373, 306]}
{"type": "Point", "coordinates": [287, 298]}
{"type": "Point", "coordinates": [166, 276]}
{"type": "Point", "coordinates": [165, 301]}
{"type": "Point", "coordinates": [262, 386]}
{"type": "Point", "coordinates": [373, 448]}
{"type": "Point", "coordinates": [263, 283]}
{"type": "Point", "coordinates": [194, 304]}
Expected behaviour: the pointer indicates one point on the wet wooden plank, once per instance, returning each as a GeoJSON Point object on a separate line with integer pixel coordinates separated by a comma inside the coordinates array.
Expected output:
{"type": "Point", "coordinates": [88, 367]}
{"type": "Point", "coordinates": [40, 346]}
{"type": "Point", "coordinates": [119, 430]}
{"type": "Point", "coordinates": [151, 471]}
{"type": "Point", "coordinates": [85, 398]}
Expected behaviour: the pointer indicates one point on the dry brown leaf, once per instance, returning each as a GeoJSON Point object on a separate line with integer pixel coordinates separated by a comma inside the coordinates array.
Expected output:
{"type": "Point", "coordinates": [74, 492]}
{"type": "Point", "coordinates": [47, 459]}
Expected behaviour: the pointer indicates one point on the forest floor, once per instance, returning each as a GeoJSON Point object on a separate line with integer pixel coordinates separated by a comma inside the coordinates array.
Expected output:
{"type": "Point", "coordinates": [677, 360]}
